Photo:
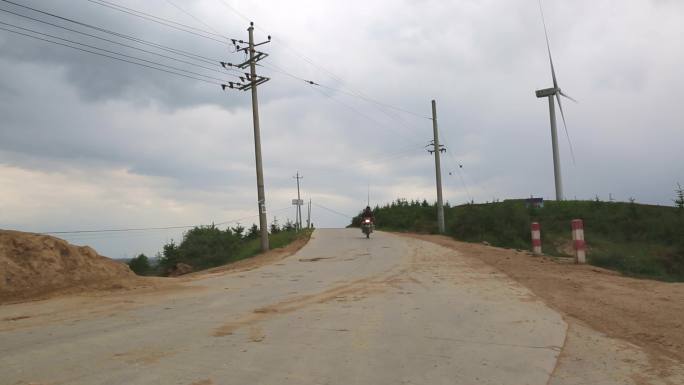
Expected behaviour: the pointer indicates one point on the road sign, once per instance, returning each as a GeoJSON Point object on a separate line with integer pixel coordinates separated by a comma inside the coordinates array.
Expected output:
{"type": "Point", "coordinates": [298, 202]}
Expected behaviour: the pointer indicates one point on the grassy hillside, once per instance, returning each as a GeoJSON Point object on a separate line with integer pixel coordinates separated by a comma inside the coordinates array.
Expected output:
{"type": "Point", "coordinates": [639, 240]}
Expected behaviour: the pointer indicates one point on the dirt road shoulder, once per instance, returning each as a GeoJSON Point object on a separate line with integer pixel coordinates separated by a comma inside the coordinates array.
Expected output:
{"type": "Point", "coordinates": [647, 315]}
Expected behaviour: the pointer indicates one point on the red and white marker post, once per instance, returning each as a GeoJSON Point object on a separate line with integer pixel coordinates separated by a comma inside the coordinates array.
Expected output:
{"type": "Point", "coordinates": [578, 241]}
{"type": "Point", "coordinates": [536, 238]}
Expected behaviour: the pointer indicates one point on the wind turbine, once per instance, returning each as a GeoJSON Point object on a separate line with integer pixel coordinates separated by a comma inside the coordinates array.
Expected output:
{"type": "Point", "coordinates": [551, 93]}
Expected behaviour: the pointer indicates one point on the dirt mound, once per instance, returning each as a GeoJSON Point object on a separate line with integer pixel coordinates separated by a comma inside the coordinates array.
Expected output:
{"type": "Point", "coordinates": [34, 265]}
{"type": "Point", "coordinates": [179, 269]}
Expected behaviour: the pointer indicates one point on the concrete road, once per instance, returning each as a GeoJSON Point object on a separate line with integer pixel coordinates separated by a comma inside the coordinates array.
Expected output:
{"type": "Point", "coordinates": [343, 310]}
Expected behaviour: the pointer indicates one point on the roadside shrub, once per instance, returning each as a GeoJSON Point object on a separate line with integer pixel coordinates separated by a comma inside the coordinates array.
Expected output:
{"type": "Point", "coordinates": [202, 247]}
{"type": "Point", "coordinates": [140, 265]}
{"type": "Point", "coordinates": [208, 246]}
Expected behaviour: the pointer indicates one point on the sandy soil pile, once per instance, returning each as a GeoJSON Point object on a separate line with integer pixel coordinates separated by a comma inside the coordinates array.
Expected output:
{"type": "Point", "coordinates": [34, 265]}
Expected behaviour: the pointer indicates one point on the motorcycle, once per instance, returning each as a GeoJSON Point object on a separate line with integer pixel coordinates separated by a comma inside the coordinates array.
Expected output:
{"type": "Point", "coordinates": [367, 226]}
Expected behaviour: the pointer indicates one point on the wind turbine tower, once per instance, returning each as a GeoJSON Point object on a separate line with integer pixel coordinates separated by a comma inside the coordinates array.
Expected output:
{"type": "Point", "coordinates": [551, 93]}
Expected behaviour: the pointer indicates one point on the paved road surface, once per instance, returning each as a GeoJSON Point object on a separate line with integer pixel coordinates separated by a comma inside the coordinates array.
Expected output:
{"type": "Point", "coordinates": [343, 310]}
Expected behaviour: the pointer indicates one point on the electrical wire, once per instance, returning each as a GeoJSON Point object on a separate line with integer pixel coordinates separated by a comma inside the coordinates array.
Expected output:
{"type": "Point", "coordinates": [379, 103]}
{"type": "Point", "coordinates": [364, 115]}
{"type": "Point", "coordinates": [275, 68]}
{"type": "Point", "coordinates": [110, 4]}
{"type": "Point", "coordinates": [387, 157]}
{"type": "Point", "coordinates": [195, 18]}
{"type": "Point", "coordinates": [362, 162]}
{"type": "Point", "coordinates": [111, 57]}
{"type": "Point", "coordinates": [118, 43]}
{"type": "Point", "coordinates": [348, 93]}
{"type": "Point", "coordinates": [117, 53]}
{"type": "Point", "coordinates": [137, 229]}
{"type": "Point", "coordinates": [235, 10]}
{"type": "Point", "coordinates": [117, 34]}
{"type": "Point", "coordinates": [460, 176]}
{"type": "Point", "coordinates": [161, 21]}
{"type": "Point", "coordinates": [354, 93]}
{"type": "Point", "coordinates": [331, 210]}
{"type": "Point", "coordinates": [456, 163]}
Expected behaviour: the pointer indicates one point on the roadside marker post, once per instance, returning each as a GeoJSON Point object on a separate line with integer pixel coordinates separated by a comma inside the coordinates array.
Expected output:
{"type": "Point", "coordinates": [578, 241]}
{"type": "Point", "coordinates": [536, 238]}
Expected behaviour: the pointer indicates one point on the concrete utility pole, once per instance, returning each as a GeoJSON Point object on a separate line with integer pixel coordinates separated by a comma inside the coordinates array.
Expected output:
{"type": "Point", "coordinates": [263, 221]}
{"type": "Point", "coordinates": [437, 149]}
{"type": "Point", "coordinates": [250, 82]}
{"type": "Point", "coordinates": [308, 216]}
{"type": "Point", "coordinates": [299, 202]}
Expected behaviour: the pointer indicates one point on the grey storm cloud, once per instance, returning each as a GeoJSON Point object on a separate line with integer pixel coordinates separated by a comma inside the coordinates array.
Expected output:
{"type": "Point", "coordinates": [105, 143]}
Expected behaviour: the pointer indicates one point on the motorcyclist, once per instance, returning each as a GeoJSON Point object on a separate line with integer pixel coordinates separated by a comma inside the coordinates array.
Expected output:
{"type": "Point", "coordinates": [368, 213]}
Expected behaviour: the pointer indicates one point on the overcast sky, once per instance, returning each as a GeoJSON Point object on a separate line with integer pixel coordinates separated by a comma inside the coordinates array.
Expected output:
{"type": "Point", "coordinates": [87, 142]}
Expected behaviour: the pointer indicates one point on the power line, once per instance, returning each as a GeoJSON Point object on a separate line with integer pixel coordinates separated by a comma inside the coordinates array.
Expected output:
{"type": "Point", "coordinates": [460, 174]}
{"type": "Point", "coordinates": [362, 114]}
{"type": "Point", "coordinates": [115, 6]}
{"type": "Point", "coordinates": [348, 93]}
{"type": "Point", "coordinates": [154, 228]}
{"type": "Point", "coordinates": [235, 10]}
{"type": "Point", "coordinates": [111, 57]}
{"type": "Point", "coordinates": [353, 93]}
{"type": "Point", "coordinates": [121, 35]}
{"type": "Point", "coordinates": [116, 53]}
{"type": "Point", "coordinates": [275, 68]}
{"type": "Point", "coordinates": [195, 18]}
{"type": "Point", "coordinates": [379, 103]}
{"type": "Point", "coordinates": [387, 157]}
{"type": "Point", "coordinates": [457, 165]}
{"type": "Point", "coordinates": [118, 230]}
{"type": "Point", "coordinates": [381, 160]}
{"type": "Point", "coordinates": [162, 21]}
{"type": "Point", "coordinates": [332, 211]}
{"type": "Point", "coordinates": [118, 43]}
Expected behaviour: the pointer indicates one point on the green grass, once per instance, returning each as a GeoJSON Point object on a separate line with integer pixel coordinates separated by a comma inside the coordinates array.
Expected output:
{"type": "Point", "coordinates": [639, 259]}
{"type": "Point", "coordinates": [637, 240]}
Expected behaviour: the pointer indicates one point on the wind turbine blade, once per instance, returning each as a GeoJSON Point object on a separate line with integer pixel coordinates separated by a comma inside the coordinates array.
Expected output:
{"type": "Point", "coordinates": [548, 46]}
{"type": "Point", "coordinates": [567, 135]}
{"type": "Point", "coordinates": [566, 96]}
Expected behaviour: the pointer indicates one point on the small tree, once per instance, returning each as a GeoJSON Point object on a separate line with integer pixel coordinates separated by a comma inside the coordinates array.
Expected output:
{"type": "Point", "coordinates": [238, 230]}
{"type": "Point", "coordinates": [289, 226]}
{"type": "Point", "coordinates": [253, 232]}
{"type": "Point", "coordinates": [679, 201]}
{"type": "Point", "coordinates": [140, 264]}
{"type": "Point", "coordinates": [275, 227]}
